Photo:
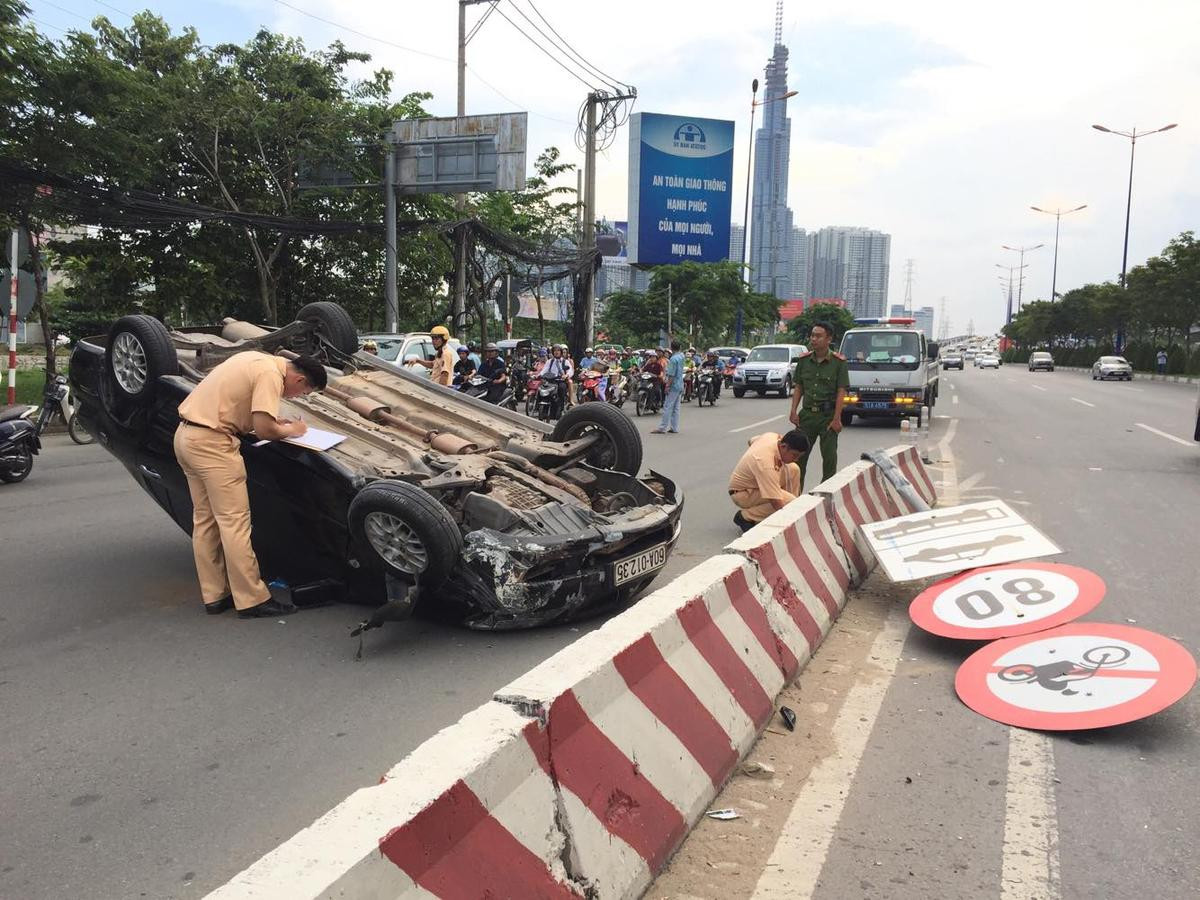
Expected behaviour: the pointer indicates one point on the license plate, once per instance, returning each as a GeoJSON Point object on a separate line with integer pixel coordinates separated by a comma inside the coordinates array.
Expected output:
{"type": "Point", "coordinates": [875, 404]}
{"type": "Point", "coordinates": [756, 377]}
{"type": "Point", "coordinates": [639, 564]}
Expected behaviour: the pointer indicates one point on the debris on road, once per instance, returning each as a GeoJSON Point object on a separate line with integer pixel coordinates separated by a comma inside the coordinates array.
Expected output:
{"type": "Point", "coordinates": [757, 769]}
{"type": "Point", "coordinates": [789, 718]}
{"type": "Point", "coordinates": [723, 814]}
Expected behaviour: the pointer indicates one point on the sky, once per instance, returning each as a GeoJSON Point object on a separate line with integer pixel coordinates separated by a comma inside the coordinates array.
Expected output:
{"type": "Point", "coordinates": [940, 123]}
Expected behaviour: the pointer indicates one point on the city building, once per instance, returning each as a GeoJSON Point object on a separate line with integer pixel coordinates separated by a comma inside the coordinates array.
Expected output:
{"type": "Point", "coordinates": [924, 317]}
{"type": "Point", "coordinates": [737, 242]}
{"type": "Point", "coordinates": [801, 276]}
{"type": "Point", "coordinates": [851, 263]}
{"type": "Point", "coordinates": [771, 220]}
{"type": "Point", "coordinates": [898, 311]}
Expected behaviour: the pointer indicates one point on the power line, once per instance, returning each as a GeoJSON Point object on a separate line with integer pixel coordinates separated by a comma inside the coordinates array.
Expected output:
{"type": "Point", "coordinates": [558, 62]}
{"type": "Point", "coordinates": [69, 12]}
{"type": "Point", "coordinates": [503, 96]}
{"type": "Point", "coordinates": [475, 30]}
{"type": "Point", "coordinates": [362, 34]}
{"type": "Point", "coordinates": [114, 9]}
{"type": "Point", "coordinates": [571, 51]}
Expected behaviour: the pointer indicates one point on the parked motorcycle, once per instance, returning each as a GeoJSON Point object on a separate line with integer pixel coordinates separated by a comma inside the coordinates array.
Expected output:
{"type": "Point", "coordinates": [19, 442]}
{"type": "Point", "coordinates": [649, 394]}
{"type": "Point", "coordinates": [56, 400]}
{"type": "Point", "coordinates": [706, 386]}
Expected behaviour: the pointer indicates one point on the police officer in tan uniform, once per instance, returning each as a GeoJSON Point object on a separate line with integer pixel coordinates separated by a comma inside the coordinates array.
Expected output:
{"type": "Point", "coordinates": [240, 395]}
{"type": "Point", "coordinates": [443, 363]}
{"type": "Point", "coordinates": [768, 477]}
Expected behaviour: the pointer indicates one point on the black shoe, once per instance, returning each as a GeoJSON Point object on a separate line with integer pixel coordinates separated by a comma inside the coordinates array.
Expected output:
{"type": "Point", "coordinates": [740, 521]}
{"type": "Point", "coordinates": [219, 606]}
{"type": "Point", "coordinates": [267, 608]}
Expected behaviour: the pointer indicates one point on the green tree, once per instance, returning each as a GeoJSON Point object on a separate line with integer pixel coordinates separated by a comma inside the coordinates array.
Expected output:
{"type": "Point", "coordinates": [837, 317]}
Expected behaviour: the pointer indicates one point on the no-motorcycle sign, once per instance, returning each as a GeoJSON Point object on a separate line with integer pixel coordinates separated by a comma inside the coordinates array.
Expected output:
{"type": "Point", "coordinates": [1082, 675]}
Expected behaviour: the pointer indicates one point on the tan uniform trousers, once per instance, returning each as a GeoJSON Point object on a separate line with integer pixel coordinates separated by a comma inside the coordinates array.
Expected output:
{"type": "Point", "coordinates": [216, 476]}
{"type": "Point", "coordinates": [754, 507]}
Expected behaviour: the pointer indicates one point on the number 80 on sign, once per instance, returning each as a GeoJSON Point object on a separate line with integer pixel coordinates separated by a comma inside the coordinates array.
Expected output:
{"type": "Point", "coordinates": [1006, 600]}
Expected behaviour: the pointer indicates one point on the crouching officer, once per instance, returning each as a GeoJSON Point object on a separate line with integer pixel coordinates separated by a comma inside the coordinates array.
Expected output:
{"type": "Point", "coordinates": [240, 395]}
{"type": "Point", "coordinates": [821, 379]}
{"type": "Point", "coordinates": [768, 477]}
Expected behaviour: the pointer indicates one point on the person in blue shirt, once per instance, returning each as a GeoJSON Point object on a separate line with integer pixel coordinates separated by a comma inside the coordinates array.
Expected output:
{"type": "Point", "coordinates": [674, 397]}
{"type": "Point", "coordinates": [588, 360]}
{"type": "Point", "coordinates": [494, 370]}
{"type": "Point", "coordinates": [475, 358]}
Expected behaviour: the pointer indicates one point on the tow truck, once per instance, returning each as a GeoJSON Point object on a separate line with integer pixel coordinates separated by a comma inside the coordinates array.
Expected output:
{"type": "Point", "coordinates": [893, 369]}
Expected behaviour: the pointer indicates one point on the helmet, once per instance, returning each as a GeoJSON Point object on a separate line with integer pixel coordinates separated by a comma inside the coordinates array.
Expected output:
{"type": "Point", "coordinates": [440, 331]}
{"type": "Point", "coordinates": [588, 350]}
{"type": "Point", "coordinates": [370, 346]}
{"type": "Point", "coordinates": [542, 352]}
{"type": "Point", "coordinates": [474, 347]}
{"type": "Point", "coordinates": [491, 346]}
{"type": "Point", "coordinates": [463, 348]}
{"type": "Point", "coordinates": [561, 347]}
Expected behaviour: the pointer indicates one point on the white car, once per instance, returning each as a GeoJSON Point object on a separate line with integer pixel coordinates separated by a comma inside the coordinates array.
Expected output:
{"type": "Point", "coordinates": [768, 367]}
{"type": "Point", "coordinates": [1112, 367]}
{"type": "Point", "coordinates": [988, 362]}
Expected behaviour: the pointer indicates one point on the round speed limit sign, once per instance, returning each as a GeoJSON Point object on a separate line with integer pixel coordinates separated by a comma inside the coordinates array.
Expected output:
{"type": "Point", "coordinates": [1006, 600]}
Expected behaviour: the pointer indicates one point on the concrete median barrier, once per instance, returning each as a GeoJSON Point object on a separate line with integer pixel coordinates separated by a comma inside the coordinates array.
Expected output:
{"type": "Point", "coordinates": [909, 461]}
{"type": "Point", "coordinates": [856, 495]}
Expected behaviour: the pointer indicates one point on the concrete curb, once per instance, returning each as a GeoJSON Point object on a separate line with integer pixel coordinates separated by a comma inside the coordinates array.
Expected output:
{"type": "Point", "coordinates": [582, 777]}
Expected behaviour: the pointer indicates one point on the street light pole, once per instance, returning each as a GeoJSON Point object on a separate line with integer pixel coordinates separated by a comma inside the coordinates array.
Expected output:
{"type": "Point", "coordinates": [746, 214]}
{"type": "Point", "coordinates": [1011, 269]}
{"type": "Point", "coordinates": [1133, 136]}
{"type": "Point", "coordinates": [1058, 214]}
{"type": "Point", "coordinates": [1021, 283]}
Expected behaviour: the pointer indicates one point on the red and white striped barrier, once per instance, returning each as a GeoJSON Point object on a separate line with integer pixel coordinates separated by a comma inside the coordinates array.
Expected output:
{"type": "Point", "coordinates": [911, 466]}
{"type": "Point", "coordinates": [802, 564]}
{"type": "Point", "coordinates": [857, 494]}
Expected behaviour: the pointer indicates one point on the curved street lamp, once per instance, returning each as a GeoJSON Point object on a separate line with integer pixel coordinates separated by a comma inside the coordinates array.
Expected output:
{"type": "Point", "coordinates": [754, 104]}
{"type": "Point", "coordinates": [1022, 251]}
{"type": "Point", "coordinates": [1058, 214]}
{"type": "Point", "coordinates": [1133, 136]}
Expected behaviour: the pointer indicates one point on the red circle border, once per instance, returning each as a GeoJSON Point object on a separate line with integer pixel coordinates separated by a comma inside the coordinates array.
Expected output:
{"type": "Point", "coordinates": [1091, 591]}
{"type": "Point", "coordinates": [1176, 663]}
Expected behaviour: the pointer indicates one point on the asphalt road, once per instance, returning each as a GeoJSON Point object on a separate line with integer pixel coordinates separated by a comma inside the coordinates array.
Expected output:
{"type": "Point", "coordinates": [150, 750]}
{"type": "Point", "coordinates": [933, 800]}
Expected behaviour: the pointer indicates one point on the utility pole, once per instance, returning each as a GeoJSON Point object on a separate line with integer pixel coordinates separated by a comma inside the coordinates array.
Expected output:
{"type": "Point", "coordinates": [943, 322]}
{"type": "Point", "coordinates": [669, 302]}
{"type": "Point", "coordinates": [391, 298]}
{"type": "Point", "coordinates": [12, 318]}
{"type": "Point", "coordinates": [589, 221]}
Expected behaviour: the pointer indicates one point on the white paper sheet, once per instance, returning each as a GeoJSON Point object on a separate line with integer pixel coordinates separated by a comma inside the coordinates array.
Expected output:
{"type": "Point", "coordinates": [313, 439]}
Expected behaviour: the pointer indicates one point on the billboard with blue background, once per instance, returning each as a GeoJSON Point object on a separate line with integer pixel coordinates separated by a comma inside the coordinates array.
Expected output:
{"type": "Point", "coordinates": [680, 184]}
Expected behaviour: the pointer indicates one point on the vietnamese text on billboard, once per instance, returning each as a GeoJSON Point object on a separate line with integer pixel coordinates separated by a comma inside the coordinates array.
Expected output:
{"type": "Point", "coordinates": [680, 178]}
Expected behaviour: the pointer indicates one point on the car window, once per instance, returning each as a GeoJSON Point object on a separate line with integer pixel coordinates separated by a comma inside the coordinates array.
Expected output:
{"type": "Point", "coordinates": [768, 354]}
{"type": "Point", "coordinates": [881, 346]}
{"type": "Point", "coordinates": [389, 349]}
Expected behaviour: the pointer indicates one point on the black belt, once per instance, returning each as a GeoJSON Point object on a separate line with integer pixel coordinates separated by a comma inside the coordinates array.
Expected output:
{"type": "Point", "coordinates": [824, 406]}
{"type": "Point", "coordinates": [198, 425]}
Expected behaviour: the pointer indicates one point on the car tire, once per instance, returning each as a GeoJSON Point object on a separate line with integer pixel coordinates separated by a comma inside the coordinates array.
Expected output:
{"type": "Point", "coordinates": [787, 387]}
{"type": "Point", "coordinates": [405, 530]}
{"type": "Point", "coordinates": [847, 419]}
{"type": "Point", "coordinates": [621, 447]}
{"type": "Point", "coordinates": [639, 405]}
{"type": "Point", "coordinates": [78, 432]}
{"type": "Point", "coordinates": [333, 324]}
{"type": "Point", "coordinates": [139, 352]}
{"type": "Point", "coordinates": [739, 393]}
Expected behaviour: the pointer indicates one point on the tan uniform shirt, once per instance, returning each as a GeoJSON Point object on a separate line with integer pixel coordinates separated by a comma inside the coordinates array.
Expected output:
{"type": "Point", "coordinates": [230, 394]}
{"type": "Point", "coordinates": [443, 366]}
{"type": "Point", "coordinates": [760, 469]}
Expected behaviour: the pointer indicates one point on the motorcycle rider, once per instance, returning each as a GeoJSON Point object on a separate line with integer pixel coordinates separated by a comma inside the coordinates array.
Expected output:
{"type": "Point", "coordinates": [656, 366]}
{"type": "Point", "coordinates": [588, 360]}
{"type": "Point", "coordinates": [475, 357]}
{"type": "Point", "coordinates": [494, 370]}
{"type": "Point", "coordinates": [464, 368]}
{"type": "Point", "coordinates": [713, 363]}
{"type": "Point", "coordinates": [559, 366]}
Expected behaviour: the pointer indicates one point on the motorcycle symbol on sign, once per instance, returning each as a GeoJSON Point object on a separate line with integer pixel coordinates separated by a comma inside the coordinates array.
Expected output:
{"type": "Point", "coordinates": [1057, 676]}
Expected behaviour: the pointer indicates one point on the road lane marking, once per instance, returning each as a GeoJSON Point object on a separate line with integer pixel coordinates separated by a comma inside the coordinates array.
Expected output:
{"type": "Point", "coordinates": [1169, 437]}
{"type": "Point", "coordinates": [1037, 387]}
{"type": "Point", "coordinates": [799, 854]}
{"type": "Point", "coordinates": [755, 424]}
{"type": "Point", "coordinates": [1029, 869]}
{"type": "Point", "coordinates": [1084, 402]}
{"type": "Point", "coordinates": [954, 399]}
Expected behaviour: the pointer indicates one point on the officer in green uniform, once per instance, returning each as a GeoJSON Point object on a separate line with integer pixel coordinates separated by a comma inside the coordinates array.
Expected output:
{"type": "Point", "coordinates": [820, 380]}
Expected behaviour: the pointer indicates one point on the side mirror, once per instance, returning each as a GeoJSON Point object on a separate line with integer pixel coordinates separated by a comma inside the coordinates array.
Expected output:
{"type": "Point", "coordinates": [933, 349]}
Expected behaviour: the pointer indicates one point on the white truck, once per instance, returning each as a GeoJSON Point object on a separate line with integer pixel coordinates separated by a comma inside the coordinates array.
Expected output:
{"type": "Point", "coordinates": [893, 369]}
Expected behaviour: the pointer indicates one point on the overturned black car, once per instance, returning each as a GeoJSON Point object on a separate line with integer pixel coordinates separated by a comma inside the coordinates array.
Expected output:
{"type": "Point", "coordinates": [434, 500]}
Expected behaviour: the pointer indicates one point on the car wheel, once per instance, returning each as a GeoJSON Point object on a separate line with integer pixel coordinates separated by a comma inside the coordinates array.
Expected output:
{"type": "Point", "coordinates": [787, 387]}
{"type": "Point", "coordinates": [639, 404]}
{"type": "Point", "coordinates": [21, 466]}
{"type": "Point", "coordinates": [407, 531]}
{"type": "Point", "coordinates": [739, 393]}
{"type": "Point", "coordinates": [619, 448]}
{"type": "Point", "coordinates": [139, 352]}
{"type": "Point", "coordinates": [847, 418]}
{"type": "Point", "coordinates": [78, 431]}
{"type": "Point", "coordinates": [333, 323]}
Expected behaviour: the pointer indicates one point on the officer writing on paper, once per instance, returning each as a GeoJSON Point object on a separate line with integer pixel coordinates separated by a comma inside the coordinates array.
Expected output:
{"type": "Point", "coordinates": [768, 477]}
{"type": "Point", "coordinates": [821, 379]}
{"type": "Point", "coordinates": [240, 395]}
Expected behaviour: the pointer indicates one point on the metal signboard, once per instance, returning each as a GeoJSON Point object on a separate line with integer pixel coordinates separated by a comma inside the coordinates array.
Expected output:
{"type": "Point", "coordinates": [680, 183]}
{"type": "Point", "coordinates": [455, 154]}
{"type": "Point", "coordinates": [1005, 601]}
{"type": "Point", "coordinates": [1082, 675]}
{"type": "Point", "coordinates": [953, 538]}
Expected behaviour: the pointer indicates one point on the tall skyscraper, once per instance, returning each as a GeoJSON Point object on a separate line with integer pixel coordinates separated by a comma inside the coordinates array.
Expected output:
{"type": "Point", "coordinates": [924, 317]}
{"type": "Point", "coordinates": [737, 243]}
{"type": "Point", "coordinates": [801, 275]}
{"type": "Point", "coordinates": [771, 220]}
{"type": "Point", "coordinates": [851, 264]}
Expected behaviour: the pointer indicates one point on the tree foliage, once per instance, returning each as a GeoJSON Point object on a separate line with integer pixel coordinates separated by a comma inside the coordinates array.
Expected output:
{"type": "Point", "coordinates": [836, 317]}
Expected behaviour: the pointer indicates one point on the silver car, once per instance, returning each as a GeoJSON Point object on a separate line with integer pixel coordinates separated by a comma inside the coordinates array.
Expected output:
{"type": "Point", "coordinates": [988, 362]}
{"type": "Point", "coordinates": [1112, 367]}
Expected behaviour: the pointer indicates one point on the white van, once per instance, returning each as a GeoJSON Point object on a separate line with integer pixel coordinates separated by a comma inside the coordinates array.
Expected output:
{"type": "Point", "coordinates": [893, 369]}
{"type": "Point", "coordinates": [768, 367]}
